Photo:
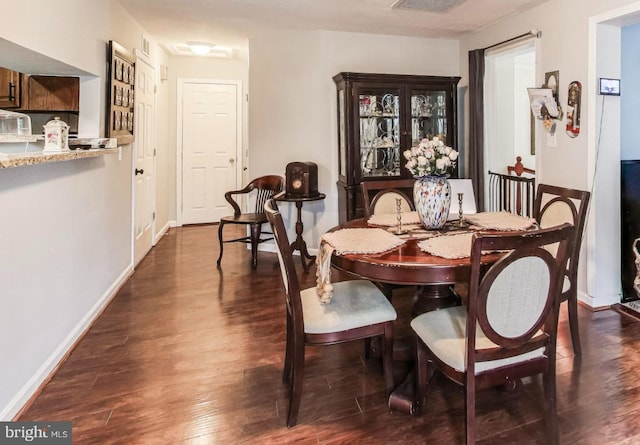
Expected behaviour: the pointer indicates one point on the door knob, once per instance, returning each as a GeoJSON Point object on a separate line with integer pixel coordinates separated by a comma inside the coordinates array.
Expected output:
{"type": "Point", "coordinates": [232, 160]}
{"type": "Point", "coordinates": [139, 171]}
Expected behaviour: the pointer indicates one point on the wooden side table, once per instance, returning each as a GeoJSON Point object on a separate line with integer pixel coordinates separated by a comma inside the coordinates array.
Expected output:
{"type": "Point", "coordinates": [299, 244]}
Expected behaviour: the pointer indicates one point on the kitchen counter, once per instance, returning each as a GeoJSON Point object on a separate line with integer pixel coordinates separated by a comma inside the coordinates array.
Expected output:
{"type": "Point", "coordinates": [38, 157]}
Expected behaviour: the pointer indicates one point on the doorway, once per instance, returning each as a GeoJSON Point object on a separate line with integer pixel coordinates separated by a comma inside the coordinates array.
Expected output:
{"type": "Point", "coordinates": [144, 160]}
{"type": "Point", "coordinates": [509, 71]}
{"type": "Point", "coordinates": [209, 148]}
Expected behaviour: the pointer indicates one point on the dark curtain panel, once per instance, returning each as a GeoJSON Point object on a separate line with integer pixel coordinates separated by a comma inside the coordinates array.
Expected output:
{"type": "Point", "coordinates": [476, 123]}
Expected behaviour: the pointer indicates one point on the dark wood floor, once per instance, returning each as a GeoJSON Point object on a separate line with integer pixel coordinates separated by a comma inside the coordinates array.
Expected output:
{"type": "Point", "coordinates": [189, 354]}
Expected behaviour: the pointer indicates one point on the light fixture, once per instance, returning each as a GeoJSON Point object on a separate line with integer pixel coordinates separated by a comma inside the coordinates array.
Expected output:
{"type": "Point", "coordinates": [200, 48]}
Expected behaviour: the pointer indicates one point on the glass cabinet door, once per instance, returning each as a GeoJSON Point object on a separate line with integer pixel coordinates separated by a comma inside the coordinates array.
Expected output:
{"type": "Point", "coordinates": [428, 115]}
{"type": "Point", "coordinates": [379, 134]}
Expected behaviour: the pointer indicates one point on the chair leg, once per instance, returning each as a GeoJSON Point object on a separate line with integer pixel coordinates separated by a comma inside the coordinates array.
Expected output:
{"type": "Point", "coordinates": [256, 229]}
{"type": "Point", "coordinates": [288, 353]}
{"type": "Point", "coordinates": [550, 405]}
{"type": "Point", "coordinates": [220, 226]}
{"type": "Point", "coordinates": [470, 408]}
{"type": "Point", "coordinates": [296, 383]}
{"type": "Point", "coordinates": [572, 306]}
{"type": "Point", "coordinates": [387, 358]}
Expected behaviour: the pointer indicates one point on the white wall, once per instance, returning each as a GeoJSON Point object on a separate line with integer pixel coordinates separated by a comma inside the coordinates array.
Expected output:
{"type": "Point", "coordinates": [571, 164]}
{"type": "Point", "coordinates": [66, 226]}
{"type": "Point", "coordinates": [293, 110]}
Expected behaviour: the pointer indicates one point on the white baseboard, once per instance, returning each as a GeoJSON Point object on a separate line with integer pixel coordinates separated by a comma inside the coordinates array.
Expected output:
{"type": "Point", "coordinates": [161, 233]}
{"type": "Point", "coordinates": [33, 384]}
{"type": "Point", "coordinates": [601, 302]}
{"type": "Point", "coordinates": [270, 247]}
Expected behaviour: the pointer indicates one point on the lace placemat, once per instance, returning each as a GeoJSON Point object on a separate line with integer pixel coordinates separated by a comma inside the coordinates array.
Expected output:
{"type": "Point", "coordinates": [361, 240]}
{"type": "Point", "coordinates": [500, 221]}
{"type": "Point", "coordinates": [448, 246]}
{"type": "Point", "coordinates": [343, 241]}
{"type": "Point", "coordinates": [391, 219]}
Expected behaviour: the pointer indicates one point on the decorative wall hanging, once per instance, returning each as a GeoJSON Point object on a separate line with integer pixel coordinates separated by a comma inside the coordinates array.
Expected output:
{"type": "Point", "coordinates": [545, 102]}
{"type": "Point", "coordinates": [120, 93]}
{"type": "Point", "coordinates": [573, 108]}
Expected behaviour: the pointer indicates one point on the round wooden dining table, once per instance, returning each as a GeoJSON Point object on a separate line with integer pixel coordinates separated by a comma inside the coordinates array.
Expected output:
{"type": "Point", "coordinates": [408, 265]}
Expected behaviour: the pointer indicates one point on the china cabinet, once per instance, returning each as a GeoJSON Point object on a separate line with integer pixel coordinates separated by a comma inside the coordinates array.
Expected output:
{"type": "Point", "coordinates": [380, 116]}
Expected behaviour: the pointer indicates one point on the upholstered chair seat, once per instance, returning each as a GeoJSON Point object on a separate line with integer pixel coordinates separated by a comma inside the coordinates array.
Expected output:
{"type": "Point", "coordinates": [354, 304]}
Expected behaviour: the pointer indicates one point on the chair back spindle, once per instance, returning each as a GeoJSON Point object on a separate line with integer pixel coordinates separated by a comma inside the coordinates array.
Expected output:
{"type": "Point", "coordinates": [262, 197]}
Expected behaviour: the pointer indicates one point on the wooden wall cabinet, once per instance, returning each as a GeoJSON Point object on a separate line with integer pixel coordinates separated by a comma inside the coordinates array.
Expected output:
{"type": "Point", "coordinates": [380, 116]}
{"type": "Point", "coordinates": [9, 88]}
{"type": "Point", "coordinates": [23, 92]}
{"type": "Point", "coordinates": [50, 93]}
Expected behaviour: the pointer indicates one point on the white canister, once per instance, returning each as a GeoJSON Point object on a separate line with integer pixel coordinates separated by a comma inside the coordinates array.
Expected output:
{"type": "Point", "coordinates": [56, 136]}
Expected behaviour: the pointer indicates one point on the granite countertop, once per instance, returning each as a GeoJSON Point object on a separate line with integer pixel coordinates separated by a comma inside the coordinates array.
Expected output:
{"type": "Point", "coordinates": [38, 157]}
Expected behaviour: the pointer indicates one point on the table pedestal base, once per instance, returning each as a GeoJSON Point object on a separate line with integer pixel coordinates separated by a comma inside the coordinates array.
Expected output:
{"type": "Point", "coordinates": [299, 244]}
{"type": "Point", "coordinates": [403, 398]}
{"type": "Point", "coordinates": [426, 298]}
{"type": "Point", "coordinates": [432, 297]}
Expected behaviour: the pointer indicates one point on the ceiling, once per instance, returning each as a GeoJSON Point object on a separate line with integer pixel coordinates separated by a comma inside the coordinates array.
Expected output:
{"type": "Point", "coordinates": [231, 23]}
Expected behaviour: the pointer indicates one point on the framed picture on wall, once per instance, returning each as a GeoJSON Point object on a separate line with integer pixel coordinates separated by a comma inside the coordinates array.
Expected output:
{"type": "Point", "coordinates": [552, 81]}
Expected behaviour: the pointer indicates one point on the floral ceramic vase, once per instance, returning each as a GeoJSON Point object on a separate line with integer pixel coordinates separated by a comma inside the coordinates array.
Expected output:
{"type": "Point", "coordinates": [432, 198]}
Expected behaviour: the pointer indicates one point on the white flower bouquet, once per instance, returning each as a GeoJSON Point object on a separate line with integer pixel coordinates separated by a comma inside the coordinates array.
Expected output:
{"type": "Point", "coordinates": [430, 158]}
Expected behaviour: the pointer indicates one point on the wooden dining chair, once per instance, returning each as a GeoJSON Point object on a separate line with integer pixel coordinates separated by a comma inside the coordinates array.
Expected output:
{"type": "Point", "coordinates": [508, 329]}
{"type": "Point", "coordinates": [263, 188]}
{"type": "Point", "coordinates": [556, 205]}
{"type": "Point", "coordinates": [357, 310]}
{"type": "Point", "coordinates": [380, 196]}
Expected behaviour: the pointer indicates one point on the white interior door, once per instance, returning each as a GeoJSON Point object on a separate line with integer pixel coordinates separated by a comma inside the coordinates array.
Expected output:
{"type": "Point", "coordinates": [144, 175]}
{"type": "Point", "coordinates": [211, 145]}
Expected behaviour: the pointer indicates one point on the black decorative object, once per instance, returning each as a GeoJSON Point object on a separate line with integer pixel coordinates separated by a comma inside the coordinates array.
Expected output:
{"type": "Point", "coordinates": [301, 179]}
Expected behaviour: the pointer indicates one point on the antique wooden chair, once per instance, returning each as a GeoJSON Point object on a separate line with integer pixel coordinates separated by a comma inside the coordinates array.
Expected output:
{"type": "Point", "coordinates": [357, 310]}
{"type": "Point", "coordinates": [512, 193]}
{"type": "Point", "coordinates": [553, 206]}
{"type": "Point", "coordinates": [265, 187]}
{"type": "Point", "coordinates": [508, 329]}
{"type": "Point", "coordinates": [380, 196]}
